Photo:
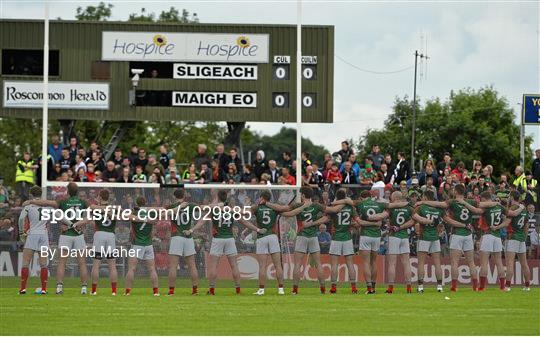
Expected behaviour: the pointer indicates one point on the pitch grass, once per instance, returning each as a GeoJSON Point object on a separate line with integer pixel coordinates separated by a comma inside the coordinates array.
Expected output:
{"type": "Point", "coordinates": [309, 313]}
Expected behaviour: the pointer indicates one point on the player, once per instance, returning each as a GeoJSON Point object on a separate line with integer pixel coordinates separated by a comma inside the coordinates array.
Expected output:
{"type": "Point", "coordinates": [370, 238]}
{"type": "Point", "coordinates": [306, 212]}
{"type": "Point", "coordinates": [104, 243]}
{"type": "Point", "coordinates": [222, 242]}
{"type": "Point", "coordinates": [70, 238]}
{"type": "Point", "coordinates": [267, 244]}
{"type": "Point", "coordinates": [342, 218]}
{"type": "Point", "coordinates": [35, 231]}
{"type": "Point", "coordinates": [182, 243]}
{"type": "Point", "coordinates": [141, 244]}
{"type": "Point", "coordinates": [429, 219]}
{"type": "Point", "coordinates": [461, 220]}
{"type": "Point", "coordinates": [398, 241]}
{"type": "Point", "coordinates": [517, 234]}
{"type": "Point", "coordinates": [491, 224]}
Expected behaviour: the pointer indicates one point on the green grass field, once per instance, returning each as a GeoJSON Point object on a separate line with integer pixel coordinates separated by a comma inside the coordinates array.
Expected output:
{"type": "Point", "coordinates": [309, 313]}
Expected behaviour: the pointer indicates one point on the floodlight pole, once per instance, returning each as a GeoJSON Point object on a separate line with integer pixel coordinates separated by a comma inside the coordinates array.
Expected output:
{"type": "Point", "coordinates": [299, 95]}
{"type": "Point", "coordinates": [416, 56]}
{"type": "Point", "coordinates": [44, 132]}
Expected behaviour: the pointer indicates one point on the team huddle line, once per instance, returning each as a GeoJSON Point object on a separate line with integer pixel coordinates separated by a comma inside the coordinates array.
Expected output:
{"type": "Point", "coordinates": [345, 215]}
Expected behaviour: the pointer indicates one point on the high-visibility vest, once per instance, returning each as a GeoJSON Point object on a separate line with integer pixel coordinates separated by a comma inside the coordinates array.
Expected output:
{"type": "Point", "coordinates": [26, 174]}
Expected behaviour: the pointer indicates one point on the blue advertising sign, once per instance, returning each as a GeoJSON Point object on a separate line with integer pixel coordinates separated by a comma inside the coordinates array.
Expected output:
{"type": "Point", "coordinates": [531, 109]}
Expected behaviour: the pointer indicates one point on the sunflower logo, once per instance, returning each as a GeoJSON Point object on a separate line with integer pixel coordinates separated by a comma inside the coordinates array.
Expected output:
{"type": "Point", "coordinates": [160, 40]}
{"type": "Point", "coordinates": [242, 41]}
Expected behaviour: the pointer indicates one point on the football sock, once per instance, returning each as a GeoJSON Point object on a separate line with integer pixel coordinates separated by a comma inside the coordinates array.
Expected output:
{"type": "Point", "coordinates": [439, 282]}
{"type": "Point", "coordinates": [420, 282]}
{"type": "Point", "coordinates": [454, 284]}
{"type": "Point", "coordinates": [155, 290]}
{"type": "Point", "coordinates": [295, 288]}
{"type": "Point", "coordinates": [94, 287]}
{"type": "Point", "coordinates": [194, 289]}
{"type": "Point", "coordinates": [280, 285]}
{"type": "Point", "coordinates": [527, 284]}
{"type": "Point", "coordinates": [373, 286]}
{"type": "Point", "coordinates": [44, 274]}
{"type": "Point", "coordinates": [261, 286]}
{"type": "Point", "coordinates": [483, 280]}
{"type": "Point", "coordinates": [409, 288]}
{"type": "Point", "coordinates": [502, 282]}
{"type": "Point", "coordinates": [390, 288]}
{"type": "Point", "coordinates": [237, 290]}
{"type": "Point", "coordinates": [113, 287]}
{"type": "Point", "coordinates": [128, 291]}
{"type": "Point", "coordinates": [171, 290]}
{"type": "Point", "coordinates": [212, 291]}
{"type": "Point", "coordinates": [508, 283]}
{"type": "Point", "coordinates": [474, 283]}
{"type": "Point", "coordinates": [24, 277]}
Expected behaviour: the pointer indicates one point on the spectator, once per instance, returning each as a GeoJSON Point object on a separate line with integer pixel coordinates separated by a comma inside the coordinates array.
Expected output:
{"type": "Point", "coordinates": [234, 159]}
{"type": "Point", "coordinates": [287, 161]}
{"type": "Point", "coordinates": [172, 177]}
{"type": "Point", "coordinates": [477, 169]}
{"type": "Point", "coordinates": [126, 175]}
{"type": "Point", "coordinates": [93, 148]}
{"type": "Point", "coordinates": [389, 163]}
{"type": "Point", "coordinates": [152, 165]}
{"type": "Point", "coordinates": [55, 148]}
{"type": "Point", "coordinates": [367, 174]}
{"type": "Point", "coordinates": [288, 178]}
{"type": "Point", "coordinates": [139, 176]}
{"type": "Point", "coordinates": [348, 175]}
{"type": "Point", "coordinates": [90, 175]}
{"type": "Point", "coordinates": [73, 147]}
{"type": "Point", "coordinates": [164, 156]}
{"type": "Point", "coordinates": [192, 169]}
{"type": "Point", "coordinates": [324, 239]}
{"type": "Point", "coordinates": [111, 173]}
{"type": "Point", "coordinates": [377, 157]}
{"type": "Point", "coordinates": [378, 185]}
{"type": "Point", "coordinates": [141, 159]}
{"type": "Point", "coordinates": [247, 175]}
{"type": "Point", "coordinates": [259, 164]}
{"type": "Point", "coordinates": [334, 176]}
{"type": "Point", "coordinates": [79, 163]}
{"type": "Point", "coordinates": [205, 174]}
{"type": "Point", "coordinates": [273, 172]}
{"type": "Point", "coordinates": [118, 159]}
{"type": "Point", "coordinates": [531, 183]}
{"type": "Point", "coordinates": [133, 154]}
{"type": "Point", "coordinates": [387, 176]}
{"type": "Point", "coordinates": [81, 175]}
{"type": "Point", "coordinates": [310, 178]}
{"type": "Point", "coordinates": [232, 174]}
{"type": "Point", "coordinates": [535, 168]}
{"type": "Point", "coordinates": [25, 176]}
{"type": "Point", "coordinates": [66, 162]}
{"type": "Point", "coordinates": [459, 170]}
{"type": "Point", "coordinates": [222, 157]}
{"type": "Point", "coordinates": [345, 151]}
{"type": "Point", "coordinates": [402, 170]}
{"type": "Point", "coordinates": [354, 165]}
{"type": "Point", "coordinates": [201, 157]}
{"type": "Point", "coordinates": [447, 163]}
{"type": "Point", "coordinates": [318, 174]}
{"type": "Point", "coordinates": [429, 185]}
{"type": "Point", "coordinates": [305, 161]}
{"type": "Point", "coordinates": [56, 172]}
{"type": "Point", "coordinates": [218, 176]}
{"type": "Point", "coordinates": [428, 172]}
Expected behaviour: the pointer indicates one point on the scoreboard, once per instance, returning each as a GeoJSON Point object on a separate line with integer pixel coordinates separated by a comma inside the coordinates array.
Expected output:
{"type": "Point", "coordinates": [190, 72]}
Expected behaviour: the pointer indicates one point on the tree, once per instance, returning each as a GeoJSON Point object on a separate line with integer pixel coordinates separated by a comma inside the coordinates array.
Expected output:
{"type": "Point", "coordinates": [471, 124]}
{"type": "Point", "coordinates": [172, 15]}
{"type": "Point", "coordinates": [275, 145]}
{"type": "Point", "coordinates": [101, 12]}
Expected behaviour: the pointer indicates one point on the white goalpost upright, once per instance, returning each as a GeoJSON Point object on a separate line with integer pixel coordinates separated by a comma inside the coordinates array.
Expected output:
{"type": "Point", "coordinates": [299, 94]}
{"type": "Point", "coordinates": [45, 127]}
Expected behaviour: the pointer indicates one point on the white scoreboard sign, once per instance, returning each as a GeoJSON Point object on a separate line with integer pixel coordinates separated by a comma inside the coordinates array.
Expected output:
{"type": "Point", "coordinates": [214, 71]}
{"type": "Point", "coordinates": [214, 99]}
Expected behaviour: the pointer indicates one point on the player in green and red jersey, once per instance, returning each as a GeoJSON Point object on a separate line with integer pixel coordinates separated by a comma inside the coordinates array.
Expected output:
{"type": "Point", "coordinates": [491, 223]}
{"type": "Point", "coordinates": [70, 238]}
{"type": "Point", "coordinates": [429, 219]}
{"type": "Point", "coordinates": [182, 243]}
{"type": "Point", "coordinates": [306, 212]}
{"type": "Point", "coordinates": [222, 241]}
{"type": "Point", "coordinates": [342, 219]}
{"type": "Point", "coordinates": [142, 230]}
{"type": "Point", "coordinates": [461, 220]}
{"type": "Point", "coordinates": [517, 234]}
{"type": "Point", "coordinates": [267, 244]}
{"type": "Point", "coordinates": [401, 220]}
{"type": "Point", "coordinates": [104, 242]}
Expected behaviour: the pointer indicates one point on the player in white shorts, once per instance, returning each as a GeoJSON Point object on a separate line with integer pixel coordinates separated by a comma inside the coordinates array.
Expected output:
{"type": "Point", "coordinates": [71, 241]}
{"type": "Point", "coordinates": [37, 240]}
{"type": "Point", "coordinates": [342, 218]}
{"type": "Point", "coordinates": [222, 241]}
{"type": "Point", "coordinates": [182, 243]}
{"type": "Point", "coordinates": [267, 244]}
{"type": "Point", "coordinates": [104, 241]}
{"type": "Point", "coordinates": [142, 229]}
{"type": "Point", "coordinates": [515, 245]}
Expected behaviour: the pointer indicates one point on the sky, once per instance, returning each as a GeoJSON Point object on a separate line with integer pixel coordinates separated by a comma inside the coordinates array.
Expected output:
{"type": "Point", "coordinates": [470, 45]}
